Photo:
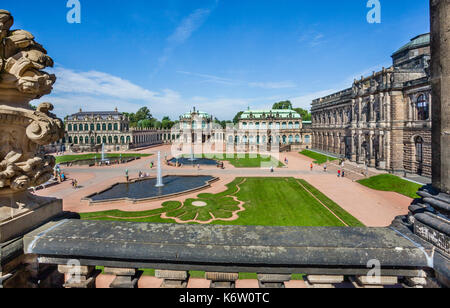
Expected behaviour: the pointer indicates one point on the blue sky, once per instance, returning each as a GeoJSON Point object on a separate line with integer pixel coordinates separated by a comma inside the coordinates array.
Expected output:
{"type": "Point", "coordinates": [218, 55]}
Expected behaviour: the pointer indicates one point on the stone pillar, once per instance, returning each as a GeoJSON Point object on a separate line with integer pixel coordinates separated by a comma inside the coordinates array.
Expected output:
{"type": "Point", "coordinates": [430, 214]}
{"type": "Point", "coordinates": [323, 281]}
{"type": "Point", "coordinates": [173, 279]}
{"type": "Point", "coordinates": [397, 145]}
{"type": "Point", "coordinates": [79, 277]}
{"type": "Point", "coordinates": [125, 278]}
{"type": "Point", "coordinates": [271, 281]}
{"type": "Point", "coordinates": [222, 280]}
{"type": "Point", "coordinates": [440, 80]}
{"type": "Point", "coordinates": [353, 147]}
{"type": "Point", "coordinates": [369, 283]}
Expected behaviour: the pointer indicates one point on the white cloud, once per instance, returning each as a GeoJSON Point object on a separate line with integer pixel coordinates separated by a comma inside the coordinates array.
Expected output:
{"type": "Point", "coordinates": [235, 82]}
{"type": "Point", "coordinates": [183, 32]}
{"type": "Point", "coordinates": [98, 91]}
{"type": "Point", "coordinates": [273, 85]}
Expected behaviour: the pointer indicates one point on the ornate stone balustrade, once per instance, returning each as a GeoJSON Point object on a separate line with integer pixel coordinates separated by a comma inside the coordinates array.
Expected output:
{"type": "Point", "coordinates": [326, 256]}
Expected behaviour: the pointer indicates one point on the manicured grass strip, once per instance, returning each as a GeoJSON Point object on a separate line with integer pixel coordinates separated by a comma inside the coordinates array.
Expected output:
{"type": "Point", "coordinates": [339, 211]}
{"type": "Point", "coordinates": [320, 158]}
{"type": "Point", "coordinates": [280, 202]}
{"type": "Point", "coordinates": [389, 182]}
{"type": "Point", "coordinates": [72, 158]}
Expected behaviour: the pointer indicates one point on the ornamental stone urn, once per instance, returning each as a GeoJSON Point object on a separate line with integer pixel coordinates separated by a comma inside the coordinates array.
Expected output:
{"type": "Point", "coordinates": [24, 130]}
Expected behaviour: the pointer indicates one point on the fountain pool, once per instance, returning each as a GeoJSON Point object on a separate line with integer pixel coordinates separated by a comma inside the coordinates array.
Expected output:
{"type": "Point", "coordinates": [143, 190]}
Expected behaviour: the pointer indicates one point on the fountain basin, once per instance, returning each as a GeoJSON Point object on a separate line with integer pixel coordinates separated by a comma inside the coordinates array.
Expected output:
{"type": "Point", "coordinates": [145, 190]}
{"type": "Point", "coordinates": [196, 161]}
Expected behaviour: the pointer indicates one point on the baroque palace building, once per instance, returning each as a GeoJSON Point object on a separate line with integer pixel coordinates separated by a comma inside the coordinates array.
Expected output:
{"type": "Point", "coordinates": [384, 120]}
{"type": "Point", "coordinates": [255, 130]}
{"type": "Point", "coordinates": [89, 131]}
{"type": "Point", "coordinates": [266, 128]}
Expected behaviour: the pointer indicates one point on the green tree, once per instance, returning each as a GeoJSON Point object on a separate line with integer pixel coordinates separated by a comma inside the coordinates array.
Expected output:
{"type": "Point", "coordinates": [306, 115]}
{"type": "Point", "coordinates": [237, 117]}
{"type": "Point", "coordinates": [282, 105]}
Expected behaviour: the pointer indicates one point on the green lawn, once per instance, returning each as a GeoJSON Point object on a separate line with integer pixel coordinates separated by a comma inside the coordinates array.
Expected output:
{"type": "Point", "coordinates": [72, 158]}
{"type": "Point", "coordinates": [389, 182]}
{"type": "Point", "coordinates": [244, 160]}
{"type": "Point", "coordinates": [320, 158]}
{"type": "Point", "coordinates": [267, 202]}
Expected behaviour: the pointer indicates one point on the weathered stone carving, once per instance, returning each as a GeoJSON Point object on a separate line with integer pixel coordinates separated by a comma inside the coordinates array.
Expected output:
{"type": "Point", "coordinates": [21, 62]}
{"type": "Point", "coordinates": [22, 129]}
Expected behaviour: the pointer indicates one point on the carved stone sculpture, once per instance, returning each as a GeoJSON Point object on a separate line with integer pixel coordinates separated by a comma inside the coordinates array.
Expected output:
{"type": "Point", "coordinates": [22, 129]}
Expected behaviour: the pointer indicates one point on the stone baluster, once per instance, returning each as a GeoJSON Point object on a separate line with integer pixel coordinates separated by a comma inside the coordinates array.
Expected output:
{"type": "Point", "coordinates": [79, 277]}
{"type": "Point", "coordinates": [126, 278]}
{"type": "Point", "coordinates": [373, 283]}
{"type": "Point", "coordinates": [323, 281]}
{"type": "Point", "coordinates": [173, 279]}
{"type": "Point", "coordinates": [271, 281]}
{"type": "Point", "coordinates": [222, 280]}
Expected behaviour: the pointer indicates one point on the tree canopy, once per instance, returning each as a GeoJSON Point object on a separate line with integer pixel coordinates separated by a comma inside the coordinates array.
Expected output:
{"type": "Point", "coordinates": [284, 105]}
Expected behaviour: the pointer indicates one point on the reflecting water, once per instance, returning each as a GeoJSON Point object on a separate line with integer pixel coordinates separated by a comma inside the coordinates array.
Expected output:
{"type": "Point", "coordinates": [146, 189]}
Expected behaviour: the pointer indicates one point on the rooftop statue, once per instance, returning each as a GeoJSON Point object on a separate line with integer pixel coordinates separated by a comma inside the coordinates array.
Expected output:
{"type": "Point", "coordinates": [23, 130]}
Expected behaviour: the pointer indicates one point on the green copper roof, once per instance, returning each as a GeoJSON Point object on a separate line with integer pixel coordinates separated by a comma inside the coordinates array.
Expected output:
{"type": "Point", "coordinates": [420, 40]}
{"type": "Point", "coordinates": [200, 114]}
{"type": "Point", "coordinates": [260, 114]}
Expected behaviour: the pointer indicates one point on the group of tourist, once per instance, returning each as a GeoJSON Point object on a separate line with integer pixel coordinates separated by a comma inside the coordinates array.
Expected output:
{"type": "Point", "coordinates": [59, 175]}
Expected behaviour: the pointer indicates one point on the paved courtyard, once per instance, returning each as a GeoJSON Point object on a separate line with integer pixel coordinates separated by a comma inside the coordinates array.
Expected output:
{"type": "Point", "coordinates": [372, 208]}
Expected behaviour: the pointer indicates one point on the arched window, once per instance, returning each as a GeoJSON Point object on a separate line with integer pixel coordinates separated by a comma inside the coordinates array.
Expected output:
{"type": "Point", "coordinates": [423, 108]}
{"type": "Point", "coordinates": [75, 140]}
{"type": "Point", "coordinates": [291, 125]}
{"type": "Point", "coordinates": [86, 140]}
{"type": "Point", "coordinates": [86, 127]}
{"type": "Point", "coordinates": [419, 149]}
{"type": "Point", "coordinates": [297, 138]}
{"type": "Point", "coordinates": [116, 139]}
{"type": "Point", "coordinates": [92, 127]}
{"type": "Point", "coordinates": [69, 127]}
{"type": "Point", "coordinates": [128, 139]}
{"type": "Point", "coordinates": [116, 126]}
{"type": "Point", "coordinates": [104, 140]}
{"type": "Point", "coordinates": [122, 140]}
{"type": "Point", "coordinates": [291, 139]}
{"type": "Point", "coordinates": [99, 140]}
{"type": "Point", "coordinates": [103, 126]}
{"type": "Point", "coordinates": [99, 127]}
{"type": "Point", "coordinates": [284, 139]}
{"type": "Point", "coordinates": [70, 139]}
{"type": "Point", "coordinates": [110, 127]}
{"type": "Point", "coordinates": [75, 127]}
{"type": "Point", "coordinates": [307, 139]}
{"type": "Point", "coordinates": [110, 140]}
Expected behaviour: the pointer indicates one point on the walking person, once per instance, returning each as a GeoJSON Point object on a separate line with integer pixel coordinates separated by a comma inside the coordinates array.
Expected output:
{"type": "Point", "coordinates": [126, 175]}
{"type": "Point", "coordinates": [325, 168]}
{"type": "Point", "coordinates": [343, 173]}
{"type": "Point", "coordinates": [312, 166]}
{"type": "Point", "coordinates": [339, 173]}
